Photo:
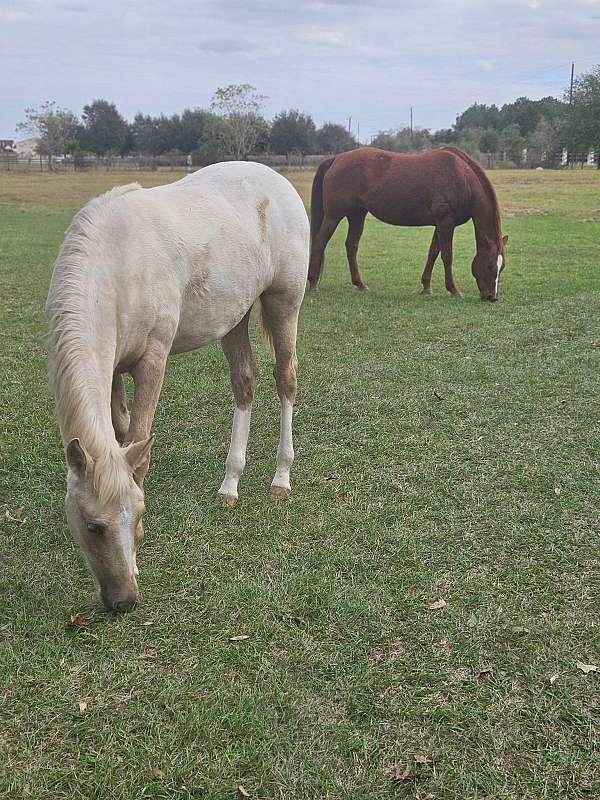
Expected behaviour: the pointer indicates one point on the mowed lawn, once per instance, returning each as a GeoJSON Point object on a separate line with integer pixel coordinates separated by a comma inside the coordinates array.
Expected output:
{"type": "Point", "coordinates": [446, 450]}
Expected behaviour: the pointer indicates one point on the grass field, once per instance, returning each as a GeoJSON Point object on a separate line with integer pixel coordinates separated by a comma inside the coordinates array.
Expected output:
{"type": "Point", "coordinates": [446, 449]}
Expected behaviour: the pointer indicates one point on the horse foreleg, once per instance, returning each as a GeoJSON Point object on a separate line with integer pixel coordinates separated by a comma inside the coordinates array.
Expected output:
{"type": "Point", "coordinates": [148, 374]}
{"type": "Point", "coordinates": [118, 408]}
{"type": "Point", "coordinates": [280, 318]}
{"type": "Point", "coordinates": [242, 369]}
{"type": "Point", "coordinates": [317, 250]}
{"type": "Point", "coordinates": [434, 250]}
{"type": "Point", "coordinates": [356, 224]}
{"type": "Point", "coordinates": [445, 236]}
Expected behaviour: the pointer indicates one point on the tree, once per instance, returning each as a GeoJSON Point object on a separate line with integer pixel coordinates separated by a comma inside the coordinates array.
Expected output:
{"type": "Point", "coordinates": [240, 105]}
{"type": "Point", "coordinates": [444, 136]}
{"type": "Point", "coordinates": [512, 143]}
{"type": "Point", "coordinates": [210, 146]}
{"type": "Point", "coordinates": [489, 142]}
{"type": "Point", "coordinates": [479, 115]}
{"type": "Point", "coordinates": [403, 140]}
{"type": "Point", "coordinates": [293, 131]}
{"type": "Point", "coordinates": [333, 138]}
{"type": "Point", "coordinates": [55, 128]}
{"type": "Point", "coordinates": [547, 139]}
{"type": "Point", "coordinates": [582, 119]}
{"type": "Point", "coordinates": [105, 130]}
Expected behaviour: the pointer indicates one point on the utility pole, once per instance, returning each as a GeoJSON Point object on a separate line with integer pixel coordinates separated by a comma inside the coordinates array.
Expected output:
{"type": "Point", "coordinates": [358, 133]}
{"type": "Point", "coordinates": [571, 89]}
{"type": "Point", "coordinates": [349, 124]}
{"type": "Point", "coordinates": [411, 128]}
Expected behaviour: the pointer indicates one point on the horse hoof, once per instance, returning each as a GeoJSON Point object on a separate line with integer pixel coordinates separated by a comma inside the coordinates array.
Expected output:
{"type": "Point", "coordinates": [279, 492]}
{"type": "Point", "coordinates": [312, 287]}
{"type": "Point", "coordinates": [361, 285]}
{"type": "Point", "coordinates": [426, 291]}
{"type": "Point", "coordinates": [228, 500]}
{"type": "Point", "coordinates": [457, 295]}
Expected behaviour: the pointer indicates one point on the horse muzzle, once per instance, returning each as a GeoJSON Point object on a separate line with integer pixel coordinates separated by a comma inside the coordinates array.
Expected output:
{"type": "Point", "coordinates": [120, 600]}
{"type": "Point", "coordinates": [490, 296]}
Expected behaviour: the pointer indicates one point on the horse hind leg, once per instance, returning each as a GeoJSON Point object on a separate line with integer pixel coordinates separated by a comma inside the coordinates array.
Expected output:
{"type": "Point", "coordinates": [356, 224]}
{"type": "Point", "coordinates": [118, 409]}
{"type": "Point", "coordinates": [280, 321]}
{"type": "Point", "coordinates": [242, 370]}
{"type": "Point", "coordinates": [434, 250]}
{"type": "Point", "coordinates": [445, 235]}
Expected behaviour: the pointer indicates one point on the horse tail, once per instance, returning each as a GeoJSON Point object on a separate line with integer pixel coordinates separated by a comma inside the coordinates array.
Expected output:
{"type": "Point", "coordinates": [486, 185]}
{"type": "Point", "coordinates": [317, 211]}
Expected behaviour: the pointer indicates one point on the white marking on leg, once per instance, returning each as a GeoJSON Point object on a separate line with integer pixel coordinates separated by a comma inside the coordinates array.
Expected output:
{"type": "Point", "coordinates": [236, 458]}
{"type": "Point", "coordinates": [285, 449]}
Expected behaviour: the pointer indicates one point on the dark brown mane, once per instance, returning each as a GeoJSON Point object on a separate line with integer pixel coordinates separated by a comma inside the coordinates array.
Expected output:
{"type": "Point", "coordinates": [486, 184]}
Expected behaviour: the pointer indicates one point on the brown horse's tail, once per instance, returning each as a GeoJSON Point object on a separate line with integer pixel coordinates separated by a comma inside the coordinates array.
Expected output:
{"type": "Point", "coordinates": [317, 209]}
{"type": "Point", "coordinates": [486, 185]}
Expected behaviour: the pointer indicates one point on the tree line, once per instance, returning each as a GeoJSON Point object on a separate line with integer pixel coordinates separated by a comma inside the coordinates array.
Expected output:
{"type": "Point", "coordinates": [235, 127]}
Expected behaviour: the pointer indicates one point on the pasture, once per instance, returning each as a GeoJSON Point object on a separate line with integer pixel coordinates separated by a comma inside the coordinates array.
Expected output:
{"type": "Point", "coordinates": [446, 450]}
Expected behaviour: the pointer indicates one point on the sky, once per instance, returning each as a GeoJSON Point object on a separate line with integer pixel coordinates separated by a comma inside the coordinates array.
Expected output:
{"type": "Point", "coordinates": [335, 59]}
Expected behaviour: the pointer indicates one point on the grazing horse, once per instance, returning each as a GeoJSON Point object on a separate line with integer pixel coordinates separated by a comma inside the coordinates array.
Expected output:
{"type": "Point", "coordinates": [145, 273]}
{"type": "Point", "coordinates": [442, 187]}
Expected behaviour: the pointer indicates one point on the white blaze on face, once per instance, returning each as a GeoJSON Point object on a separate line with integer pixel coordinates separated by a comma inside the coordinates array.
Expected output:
{"type": "Point", "coordinates": [499, 263]}
{"type": "Point", "coordinates": [126, 538]}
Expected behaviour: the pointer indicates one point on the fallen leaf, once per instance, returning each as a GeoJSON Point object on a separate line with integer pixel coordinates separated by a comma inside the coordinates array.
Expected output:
{"type": "Point", "coordinates": [487, 670]}
{"type": "Point", "coordinates": [520, 629]}
{"type": "Point", "coordinates": [80, 619]}
{"type": "Point", "coordinates": [396, 776]}
{"type": "Point", "coordinates": [242, 791]}
{"type": "Point", "coordinates": [437, 604]}
{"type": "Point", "coordinates": [242, 637]}
{"type": "Point", "coordinates": [148, 622]}
{"type": "Point", "coordinates": [82, 706]}
{"type": "Point", "coordinates": [157, 773]}
{"type": "Point", "coordinates": [424, 759]}
{"type": "Point", "coordinates": [587, 668]}
{"type": "Point", "coordinates": [556, 491]}
{"type": "Point", "coordinates": [554, 678]}
{"type": "Point", "coordinates": [26, 790]}
{"type": "Point", "coordinates": [17, 517]}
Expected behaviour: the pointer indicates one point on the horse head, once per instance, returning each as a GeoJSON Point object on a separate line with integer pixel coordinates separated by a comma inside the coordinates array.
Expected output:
{"type": "Point", "coordinates": [104, 505]}
{"type": "Point", "coordinates": [486, 268]}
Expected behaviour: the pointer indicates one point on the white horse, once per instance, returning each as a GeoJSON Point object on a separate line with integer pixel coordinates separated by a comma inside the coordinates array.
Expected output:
{"type": "Point", "coordinates": [141, 274]}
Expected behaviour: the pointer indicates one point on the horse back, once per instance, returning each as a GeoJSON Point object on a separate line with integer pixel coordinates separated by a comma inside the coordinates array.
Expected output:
{"type": "Point", "coordinates": [400, 189]}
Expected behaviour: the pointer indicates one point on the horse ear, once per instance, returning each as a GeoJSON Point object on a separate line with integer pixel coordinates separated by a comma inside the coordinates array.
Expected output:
{"type": "Point", "coordinates": [138, 452]}
{"type": "Point", "coordinates": [77, 458]}
{"type": "Point", "coordinates": [505, 240]}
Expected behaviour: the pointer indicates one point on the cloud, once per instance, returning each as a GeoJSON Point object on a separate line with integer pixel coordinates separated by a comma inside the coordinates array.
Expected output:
{"type": "Point", "coordinates": [333, 58]}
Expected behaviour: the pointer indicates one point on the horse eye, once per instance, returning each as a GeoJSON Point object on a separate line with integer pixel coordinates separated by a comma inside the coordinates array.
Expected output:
{"type": "Point", "coordinates": [96, 527]}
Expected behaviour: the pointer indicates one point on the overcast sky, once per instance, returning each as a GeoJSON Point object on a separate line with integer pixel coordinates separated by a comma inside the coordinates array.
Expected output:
{"type": "Point", "coordinates": [332, 58]}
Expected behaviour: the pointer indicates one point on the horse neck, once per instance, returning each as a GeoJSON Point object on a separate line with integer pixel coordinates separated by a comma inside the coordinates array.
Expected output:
{"type": "Point", "coordinates": [487, 235]}
{"type": "Point", "coordinates": [83, 403]}
{"type": "Point", "coordinates": [81, 371]}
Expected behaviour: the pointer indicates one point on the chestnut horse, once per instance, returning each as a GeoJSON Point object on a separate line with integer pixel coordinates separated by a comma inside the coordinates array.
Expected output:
{"type": "Point", "coordinates": [444, 188]}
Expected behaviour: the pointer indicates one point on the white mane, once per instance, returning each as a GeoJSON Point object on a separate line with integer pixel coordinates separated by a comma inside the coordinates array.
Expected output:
{"type": "Point", "coordinates": [76, 390]}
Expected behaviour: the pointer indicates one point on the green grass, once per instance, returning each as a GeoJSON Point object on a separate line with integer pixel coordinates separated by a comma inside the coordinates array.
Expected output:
{"type": "Point", "coordinates": [445, 449]}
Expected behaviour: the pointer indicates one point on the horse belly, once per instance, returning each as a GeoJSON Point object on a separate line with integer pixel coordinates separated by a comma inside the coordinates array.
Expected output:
{"type": "Point", "coordinates": [395, 207]}
{"type": "Point", "coordinates": [207, 317]}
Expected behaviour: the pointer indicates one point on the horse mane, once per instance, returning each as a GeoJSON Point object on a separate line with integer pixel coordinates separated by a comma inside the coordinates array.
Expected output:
{"type": "Point", "coordinates": [486, 185]}
{"type": "Point", "coordinates": [74, 385]}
